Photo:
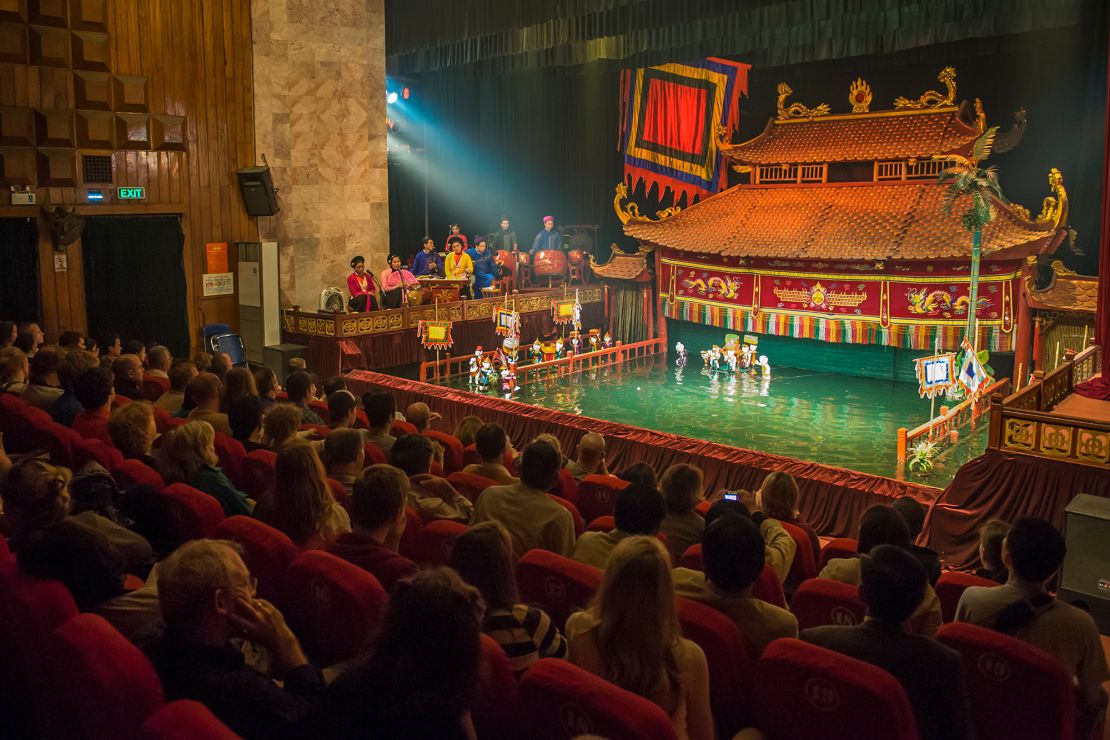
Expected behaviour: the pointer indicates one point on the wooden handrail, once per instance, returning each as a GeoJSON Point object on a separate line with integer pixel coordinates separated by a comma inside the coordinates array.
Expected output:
{"type": "Point", "coordinates": [971, 408]}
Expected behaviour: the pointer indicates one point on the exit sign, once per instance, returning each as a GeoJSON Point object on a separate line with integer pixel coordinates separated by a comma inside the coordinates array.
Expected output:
{"type": "Point", "coordinates": [130, 193]}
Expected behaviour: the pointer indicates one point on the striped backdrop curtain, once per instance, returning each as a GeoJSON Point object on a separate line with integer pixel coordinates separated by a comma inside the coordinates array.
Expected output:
{"type": "Point", "coordinates": [628, 309]}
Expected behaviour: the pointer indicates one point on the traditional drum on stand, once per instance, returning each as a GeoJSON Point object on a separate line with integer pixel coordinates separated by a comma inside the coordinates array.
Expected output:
{"type": "Point", "coordinates": [576, 260]}
{"type": "Point", "coordinates": [550, 263]}
{"type": "Point", "coordinates": [523, 270]}
{"type": "Point", "coordinates": [419, 295]}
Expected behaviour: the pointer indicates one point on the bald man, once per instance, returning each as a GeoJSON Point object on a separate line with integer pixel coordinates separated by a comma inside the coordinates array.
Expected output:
{"type": "Point", "coordinates": [420, 416]}
{"type": "Point", "coordinates": [127, 372]}
{"type": "Point", "coordinates": [591, 457]}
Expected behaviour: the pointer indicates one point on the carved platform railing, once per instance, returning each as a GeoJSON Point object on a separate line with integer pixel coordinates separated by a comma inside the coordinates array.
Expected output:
{"type": "Point", "coordinates": [939, 429]}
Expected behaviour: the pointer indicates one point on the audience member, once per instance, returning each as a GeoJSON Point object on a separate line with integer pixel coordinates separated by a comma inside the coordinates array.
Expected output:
{"type": "Point", "coordinates": [778, 497]}
{"type": "Point", "coordinates": [591, 457]}
{"type": "Point", "coordinates": [639, 510]}
{"type": "Point", "coordinates": [238, 382]}
{"type": "Point", "coordinates": [25, 343]}
{"type": "Point", "coordinates": [333, 384]}
{"type": "Point", "coordinates": [892, 582]}
{"type": "Point", "coordinates": [380, 406]}
{"type": "Point", "coordinates": [44, 387]}
{"type": "Point", "coordinates": [1032, 552]}
{"type": "Point", "coordinates": [641, 473]}
{"type": "Point", "coordinates": [280, 425]}
{"type": "Point", "coordinates": [431, 496]}
{"type": "Point", "coordinates": [913, 514]}
{"type": "Point", "coordinates": [181, 374]}
{"type": "Point", "coordinates": [344, 456]}
{"type": "Point", "coordinates": [420, 416]}
{"type": "Point", "coordinates": [990, 551]}
{"type": "Point", "coordinates": [15, 370]}
{"type": "Point", "coordinates": [128, 376]}
{"type": "Point", "coordinates": [297, 364]}
{"type": "Point", "coordinates": [188, 455]}
{"type": "Point", "coordinates": [482, 555]}
{"type": "Point", "coordinates": [377, 523]}
{"type": "Point", "coordinates": [493, 445]}
{"type": "Point", "coordinates": [532, 519]}
{"type": "Point", "coordinates": [682, 491]}
{"type": "Point", "coordinates": [205, 391]}
{"type": "Point", "coordinates": [71, 340]}
{"type": "Point", "coordinates": [208, 598]}
{"type": "Point", "coordinates": [66, 407]}
{"type": "Point", "coordinates": [9, 330]}
{"type": "Point", "coordinates": [268, 387]}
{"type": "Point", "coordinates": [244, 416]}
{"type": "Point", "coordinates": [137, 348]}
{"type": "Point", "coordinates": [219, 366]}
{"type": "Point", "coordinates": [630, 636]}
{"type": "Point", "coordinates": [92, 347]}
{"type": "Point", "coordinates": [301, 503]}
{"type": "Point", "coordinates": [111, 346]}
{"type": "Point", "coordinates": [467, 430]}
{"type": "Point", "coordinates": [301, 390]}
{"type": "Point", "coordinates": [94, 391]}
{"type": "Point", "coordinates": [38, 339]}
{"type": "Point", "coordinates": [160, 360]}
{"type": "Point", "coordinates": [133, 431]}
{"type": "Point", "coordinates": [342, 409]}
{"type": "Point", "coordinates": [203, 362]}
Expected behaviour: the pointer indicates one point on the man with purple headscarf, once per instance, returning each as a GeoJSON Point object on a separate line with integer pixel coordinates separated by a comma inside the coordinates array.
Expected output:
{"type": "Point", "coordinates": [548, 238]}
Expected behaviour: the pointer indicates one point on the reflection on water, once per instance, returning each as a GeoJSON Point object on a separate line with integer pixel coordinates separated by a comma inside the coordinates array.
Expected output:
{"type": "Point", "coordinates": [833, 419]}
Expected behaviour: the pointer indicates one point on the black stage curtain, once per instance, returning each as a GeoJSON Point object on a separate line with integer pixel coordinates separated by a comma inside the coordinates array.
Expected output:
{"type": "Point", "coordinates": [626, 309]}
{"type": "Point", "coordinates": [134, 279]}
{"type": "Point", "coordinates": [19, 277]}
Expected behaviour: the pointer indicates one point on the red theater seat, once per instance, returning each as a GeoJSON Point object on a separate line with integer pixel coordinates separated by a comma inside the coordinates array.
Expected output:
{"type": "Point", "coordinates": [557, 700]}
{"type": "Point", "coordinates": [257, 475]}
{"type": "Point", "coordinates": [196, 514]}
{"type": "Point", "coordinates": [339, 493]}
{"type": "Point", "coordinates": [321, 409]}
{"type": "Point", "coordinates": [231, 452]}
{"type": "Point", "coordinates": [362, 421]}
{"type": "Point", "coordinates": [452, 450]}
{"type": "Point", "coordinates": [155, 387]}
{"type": "Point", "coordinates": [412, 539]}
{"type": "Point", "coordinates": [950, 587]}
{"type": "Point", "coordinates": [820, 601]}
{"type": "Point", "coordinates": [566, 486]}
{"type": "Point", "coordinates": [401, 428]}
{"type": "Point", "coordinates": [597, 495]}
{"type": "Point", "coordinates": [374, 454]}
{"type": "Point", "coordinates": [559, 585]}
{"type": "Point", "coordinates": [805, 691]}
{"type": "Point", "coordinates": [266, 552]}
{"type": "Point", "coordinates": [25, 433]}
{"type": "Point", "coordinates": [134, 473]}
{"type": "Point", "coordinates": [841, 547]}
{"type": "Point", "coordinates": [104, 454]}
{"type": "Point", "coordinates": [767, 587]}
{"type": "Point", "coordinates": [332, 605]}
{"type": "Point", "coordinates": [470, 485]}
{"type": "Point", "coordinates": [804, 565]}
{"type": "Point", "coordinates": [59, 441]}
{"type": "Point", "coordinates": [602, 524]}
{"type": "Point", "coordinates": [104, 685]}
{"type": "Point", "coordinates": [437, 540]}
{"type": "Point", "coordinates": [162, 420]}
{"type": "Point", "coordinates": [579, 522]}
{"type": "Point", "coordinates": [494, 707]}
{"type": "Point", "coordinates": [184, 719]}
{"type": "Point", "coordinates": [471, 456]}
{"type": "Point", "coordinates": [730, 665]}
{"type": "Point", "coordinates": [1016, 690]}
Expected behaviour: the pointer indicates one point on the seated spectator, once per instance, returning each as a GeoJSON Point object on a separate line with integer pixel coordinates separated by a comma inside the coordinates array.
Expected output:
{"type": "Point", "coordinates": [160, 360]}
{"type": "Point", "coordinates": [36, 496]}
{"type": "Point", "coordinates": [778, 496]}
{"type": "Point", "coordinates": [892, 582]}
{"type": "Point", "coordinates": [345, 456]}
{"type": "Point", "coordinates": [9, 330]}
{"type": "Point", "coordinates": [301, 390]}
{"type": "Point", "coordinates": [734, 553]}
{"type": "Point", "coordinates": [380, 407]}
{"type": "Point", "coordinates": [66, 407]}
{"type": "Point", "coordinates": [467, 430]}
{"type": "Point", "coordinates": [591, 457]}
{"type": "Point", "coordinates": [882, 525]}
{"type": "Point", "coordinates": [532, 519]}
{"type": "Point", "coordinates": [38, 338]}
{"type": "Point", "coordinates": [25, 343]}
{"type": "Point", "coordinates": [641, 473]}
{"type": "Point", "coordinates": [432, 497]}
{"type": "Point", "coordinates": [280, 425]}
{"type": "Point", "coordinates": [913, 514]}
{"type": "Point", "coordinates": [90, 567]}
{"type": "Point", "coordinates": [128, 377]}
{"type": "Point", "coordinates": [991, 537]}
{"type": "Point", "coordinates": [412, 687]}
{"type": "Point", "coordinates": [219, 366]}
{"type": "Point", "coordinates": [639, 510]}
{"type": "Point", "coordinates": [268, 387]}
{"type": "Point", "coordinates": [188, 455]}
{"type": "Point", "coordinates": [301, 503]}
{"type": "Point", "coordinates": [1023, 608]}
{"type": "Point", "coordinates": [137, 348]}
{"type": "Point", "coordinates": [15, 370]}
{"type": "Point", "coordinates": [238, 382]}
{"type": "Point", "coordinates": [482, 555]}
{"type": "Point", "coordinates": [244, 416]}
{"type": "Point", "coordinates": [92, 347]}
{"type": "Point", "coordinates": [205, 391]}
{"type": "Point", "coordinates": [342, 409]}
{"type": "Point", "coordinates": [682, 491]}
{"type": "Point", "coordinates": [71, 340]}
{"type": "Point", "coordinates": [377, 523]}
{"type": "Point", "coordinates": [297, 365]}
{"type": "Point", "coordinates": [44, 387]}
{"type": "Point", "coordinates": [420, 416]}
{"type": "Point", "coordinates": [208, 598]}
{"type": "Point", "coordinates": [181, 374]}
{"type": "Point", "coordinates": [630, 636]}
{"type": "Point", "coordinates": [203, 362]}
{"type": "Point", "coordinates": [133, 432]}
{"type": "Point", "coordinates": [333, 384]}
{"type": "Point", "coordinates": [94, 391]}
{"type": "Point", "coordinates": [492, 444]}
{"type": "Point", "coordinates": [111, 346]}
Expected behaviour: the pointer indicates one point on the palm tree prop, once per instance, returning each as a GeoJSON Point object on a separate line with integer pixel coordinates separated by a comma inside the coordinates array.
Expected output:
{"type": "Point", "coordinates": [966, 178]}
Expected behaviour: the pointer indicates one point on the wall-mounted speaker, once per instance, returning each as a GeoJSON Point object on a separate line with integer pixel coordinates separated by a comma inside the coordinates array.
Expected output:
{"type": "Point", "coordinates": [1085, 575]}
{"type": "Point", "coordinates": [257, 188]}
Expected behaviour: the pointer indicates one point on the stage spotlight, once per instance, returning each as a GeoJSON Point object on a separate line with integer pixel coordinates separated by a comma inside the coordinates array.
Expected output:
{"type": "Point", "coordinates": [405, 93]}
{"type": "Point", "coordinates": [391, 98]}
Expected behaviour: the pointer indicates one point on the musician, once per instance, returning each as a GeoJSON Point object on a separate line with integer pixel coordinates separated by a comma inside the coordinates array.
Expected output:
{"type": "Point", "coordinates": [456, 233]}
{"type": "Point", "coordinates": [426, 262]}
{"type": "Point", "coordinates": [360, 284]}
{"type": "Point", "coordinates": [457, 265]}
{"type": "Point", "coordinates": [394, 283]}
{"type": "Point", "coordinates": [504, 239]}
{"type": "Point", "coordinates": [487, 266]}
{"type": "Point", "coordinates": [547, 238]}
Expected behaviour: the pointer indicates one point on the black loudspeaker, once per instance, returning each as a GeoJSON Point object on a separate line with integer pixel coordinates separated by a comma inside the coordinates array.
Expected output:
{"type": "Point", "coordinates": [277, 357]}
{"type": "Point", "coordinates": [1085, 575]}
{"type": "Point", "coordinates": [257, 188]}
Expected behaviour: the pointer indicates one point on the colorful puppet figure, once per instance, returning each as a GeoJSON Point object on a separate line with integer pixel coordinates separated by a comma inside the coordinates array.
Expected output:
{"type": "Point", "coordinates": [485, 374]}
{"type": "Point", "coordinates": [715, 358]}
{"type": "Point", "coordinates": [731, 360]}
{"type": "Point", "coordinates": [475, 366]}
{"type": "Point", "coordinates": [607, 340]}
{"type": "Point", "coordinates": [748, 356]}
{"type": "Point", "coordinates": [537, 351]}
{"type": "Point", "coordinates": [559, 348]}
{"type": "Point", "coordinates": [764, 367]}
{"type": "Point", "coordinates": [680, 354]}
{"type": "Point", "coordinates": [575, 342]}
{"type": "Point", "coordinates": [594, 340]}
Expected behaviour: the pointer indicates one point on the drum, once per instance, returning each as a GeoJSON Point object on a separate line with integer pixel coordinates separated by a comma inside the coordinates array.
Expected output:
{"type": "Point", "coordinates": [550, 263]}
{"type": "Point", "coordinates": [576, 258]}
{"type": "Point", "coordinates": [419, 295]}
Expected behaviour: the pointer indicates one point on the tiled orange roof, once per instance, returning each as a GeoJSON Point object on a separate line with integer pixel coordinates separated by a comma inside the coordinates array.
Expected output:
{"type": "Point", "coordinates": [863, 222]}
{"type": "Point", "coordinates": [622, 267]}
{"type": "Point", "coordinates": [1067, 291]}
{"type": "Point", "coordinates": [887, 135]}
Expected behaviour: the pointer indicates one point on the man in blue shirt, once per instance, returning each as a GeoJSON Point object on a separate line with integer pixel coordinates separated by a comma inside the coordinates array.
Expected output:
{"type": "Point", "coordinates": [425, 262]}
{"type": "Point", "coordinates": [486, 266]}
{"type": "Point", "coordinates": [547, 238]}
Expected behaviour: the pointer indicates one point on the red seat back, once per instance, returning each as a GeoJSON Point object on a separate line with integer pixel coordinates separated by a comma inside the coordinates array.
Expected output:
{"type": "Point", "coordinates": [804, 565]}
{"type": "Point", "coordinates": [730, 665]}
{"type": "Point", "coordinates": [452, 449]}
{"type": "Point", "coordinates": [59, 441]}
{"type": "Point", "coordinates": [401, 428]}
{"type": "Point", "coordinates": [104, 684]}
{"type": "Point", "coordinates": [559, 585]}
{"type": "Point", "coordinates": [1016, 690]}
{"type": "Point", "coordinates": [470, 455]}
{"type": "Point", "coordinates": [267, 552]}
{"type": "Point", "coordinates": [104, 454]}
{"type": "Point", "coordinates": [950, 587]}
{"type": "Point", "coordinates": [257, 472]}
{"type": "Point", "coordinates": [412, 539]}
{"type": "Point", "coordinates": [579, 522]}
{"type": "Point", "coordinates": [804, 691]}
{"type": "Point", "coordinates": [470, 485]}
{"type": "Point", "coordinates": [339, 493]}
{"type": "Point", "coordinates": [374, 454]}
{"type": "Point", "coordinates": [362, 421]}
{"type": "Point", "coordinates": [196, 514]}
{"type": "Point", "coordinates": [602, 524]}
{"type": "Point", "coordinates": [332, 605]}
{"type": "Point", "coordinates": [692, 558]}
{"type": "Point", "coordinates": [557, 700]}
{"type": "Point", "coordinates": [185, 719]}
{"type": "Point", "coordinates": [820, 601]}
{"type": "Point", "coordinates": [136, 473]}
{"type": "Point", "coordinates": [841, 547]}
{"type": "Point", "coordinates": [437, 540]}
{"type": "Point", "coordinates": [231, 452]}
{"type": "Point", "coordinates": [321, 409]}
{"type": "Point", "coordinates": [494, 708]}
{"type": "Point", "coordinates": [597, 495]}
{"type": "Point", "coordinates": [162, 420]}
{"type": "Point", "coordinates": [566, 486]}
{"type": "Point", "coordinates": [25, 436]}
{"type": "Point", "coordinates": [767, 586]}
{"type": "Point", "coordinates": [155, 387]}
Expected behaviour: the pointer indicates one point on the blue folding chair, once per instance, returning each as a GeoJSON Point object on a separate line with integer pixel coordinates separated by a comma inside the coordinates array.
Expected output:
{"type": "Point", "coordinates": [211, 331]}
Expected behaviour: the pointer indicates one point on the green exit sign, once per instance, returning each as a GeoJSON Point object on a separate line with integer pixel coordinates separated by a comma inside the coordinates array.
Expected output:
{"type": "Point", "coordinates": [130, 193]}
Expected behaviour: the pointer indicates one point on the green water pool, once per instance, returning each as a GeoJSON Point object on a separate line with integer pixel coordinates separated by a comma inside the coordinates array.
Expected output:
{"type": "Point", "coordinates": [834, 419]}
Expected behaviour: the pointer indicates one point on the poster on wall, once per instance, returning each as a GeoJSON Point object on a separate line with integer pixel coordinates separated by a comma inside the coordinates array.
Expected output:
{"type": "Point", "coordinates": [218, 283]}
{"type": "Point", "coordinates": [216, 257]}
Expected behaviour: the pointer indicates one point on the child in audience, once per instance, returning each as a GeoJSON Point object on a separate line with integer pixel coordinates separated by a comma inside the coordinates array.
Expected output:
{"type": "Point", "coordinates": [630, 636]}
{"type": "Point", "coordinates": [302, 504]}
{"type": "Point", "coordinates": [682, 490]}
{"type": "Point", "coordinates": [990, 551]}
{"type": "Point", "coordinates": [188, 455]}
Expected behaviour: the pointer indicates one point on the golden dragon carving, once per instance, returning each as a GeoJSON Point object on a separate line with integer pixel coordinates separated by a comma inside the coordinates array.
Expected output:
{"type": "Point", "coordinates": [797, 110]}
{"type": "Point", "coordinates": [631, 212]}
{"type": "Point", "coordinates": [1054, 209]}
{"type": "Point", "coordinates": [932, 98]}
